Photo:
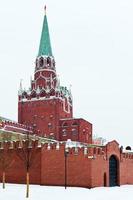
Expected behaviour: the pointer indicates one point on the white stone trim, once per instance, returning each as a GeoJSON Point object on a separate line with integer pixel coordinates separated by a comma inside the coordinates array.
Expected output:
{"type": "Point", "coordinates": [40, 70]}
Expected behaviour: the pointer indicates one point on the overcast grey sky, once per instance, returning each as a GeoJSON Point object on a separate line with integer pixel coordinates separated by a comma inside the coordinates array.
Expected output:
{"type": "Point", "coordinates": [92, 43]}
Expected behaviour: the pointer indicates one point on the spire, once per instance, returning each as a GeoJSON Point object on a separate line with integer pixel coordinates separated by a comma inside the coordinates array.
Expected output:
{"type": "Point", "coordinates": [45, 9]}
{"type": "Point", "coordinates": [45, 44]}
{"type": "Point", "coordinates": [20, 88]}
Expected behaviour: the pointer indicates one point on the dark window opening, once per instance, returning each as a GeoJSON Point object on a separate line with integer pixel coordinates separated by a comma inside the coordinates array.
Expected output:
{"type": "Point", "coordinates": [41, 62]}
{"type": "Point", "coordinates": [74, 131]}
{"type": "Point", "coordinates": [48, 61]}
{"type": "Point", "coordinates": [64, 132]}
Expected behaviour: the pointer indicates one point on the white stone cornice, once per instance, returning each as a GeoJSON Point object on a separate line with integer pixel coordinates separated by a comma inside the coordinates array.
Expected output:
{"type": "Point", "coordinates": [41, 70]}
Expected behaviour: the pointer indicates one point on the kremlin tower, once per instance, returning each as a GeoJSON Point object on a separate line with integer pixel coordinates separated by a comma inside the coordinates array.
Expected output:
{"type": "Point", "coordinates": [47, 106]}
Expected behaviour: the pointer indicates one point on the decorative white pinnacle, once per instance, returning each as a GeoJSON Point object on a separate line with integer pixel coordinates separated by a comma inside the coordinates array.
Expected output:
{"type": "Point", "coordinates": [20, 88]}
{"type": "Point", "coordinates": [38, 90]}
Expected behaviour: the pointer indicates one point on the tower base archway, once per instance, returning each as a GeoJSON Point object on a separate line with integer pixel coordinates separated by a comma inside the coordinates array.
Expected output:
{"type": "Point", "coordinates": [113, 171]}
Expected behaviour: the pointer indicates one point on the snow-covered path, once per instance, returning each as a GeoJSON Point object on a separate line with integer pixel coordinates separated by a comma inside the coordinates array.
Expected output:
{"type": "Point", "coordinates": [17, 192]}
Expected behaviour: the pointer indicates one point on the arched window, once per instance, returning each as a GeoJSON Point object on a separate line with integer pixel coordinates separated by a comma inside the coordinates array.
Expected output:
{"type": "Point", "coordinates": [48, 61]}
{"type": "Point", "coordinates": [49, 125]}
{"type": "Point", "coordinates": [65, 124]}
{"type": "Point", "coordinates": [41, 62]}
{"type": "Point", "coordinates": [74, 131]}
{"type": "Point", "coordinates": [64, 132]}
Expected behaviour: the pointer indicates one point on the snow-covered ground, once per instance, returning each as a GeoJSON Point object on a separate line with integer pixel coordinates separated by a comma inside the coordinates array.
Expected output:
{"type": "Point", "coordinates": [17, 192]}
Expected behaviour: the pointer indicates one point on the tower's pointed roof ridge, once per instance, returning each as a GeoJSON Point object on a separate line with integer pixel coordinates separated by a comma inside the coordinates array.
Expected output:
{"type": "Point", "coordinates": [45, 44]}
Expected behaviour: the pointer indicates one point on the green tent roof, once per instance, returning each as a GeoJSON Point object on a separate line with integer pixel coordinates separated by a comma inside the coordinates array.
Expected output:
{"type": "Point", "coordinates": [45, 44]}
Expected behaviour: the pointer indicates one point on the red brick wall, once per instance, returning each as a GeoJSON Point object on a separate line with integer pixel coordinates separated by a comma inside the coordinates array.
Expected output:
{"type": "Point", "coordinates": [16, 170]}
{"type": "Point", "coordinates": [84, 169]}
{"type": "Point", "coordinates": [99, 166]}
{"type": "Point", "coordinates": [126, 169]}
{"type": "Point", "coordinates": [40, 114]}
{"type": "Point", "coordinates": [82, 127]}
{"type": "Point", "coordinates": [53, 167]}
{"type": "Point", "coordinates": [85, 131]}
